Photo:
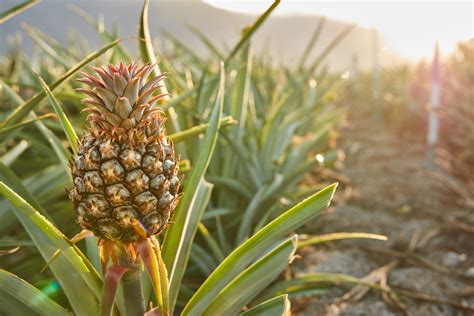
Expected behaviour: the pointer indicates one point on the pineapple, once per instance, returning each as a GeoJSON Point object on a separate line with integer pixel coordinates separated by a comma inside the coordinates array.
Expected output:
{"type": "Point", "coordinates": [125, 174]}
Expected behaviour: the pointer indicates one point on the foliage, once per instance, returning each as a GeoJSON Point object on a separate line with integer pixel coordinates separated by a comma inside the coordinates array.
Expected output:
{"type": "Point", "coordinates": [458, 111]}
{"type": "Point", "coordinates": [241, 189]}
{"type": "Point", "coordinates": [405, 99]}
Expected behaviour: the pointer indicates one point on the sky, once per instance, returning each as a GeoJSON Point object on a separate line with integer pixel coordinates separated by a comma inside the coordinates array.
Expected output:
{"type": "Point", "coordinates": [410, 28]}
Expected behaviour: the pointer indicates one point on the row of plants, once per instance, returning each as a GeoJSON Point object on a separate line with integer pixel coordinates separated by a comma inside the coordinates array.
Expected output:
{"type": "Point", "coordinates": [457, 108]}
{"type": "Point", "coordinates": [405, 94]}
{"type": "Point", "coordinates": [246, 131]}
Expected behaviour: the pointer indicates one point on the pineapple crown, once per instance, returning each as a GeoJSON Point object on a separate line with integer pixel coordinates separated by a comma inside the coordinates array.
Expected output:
{"type": "Point", "coordinates": [120, 102]}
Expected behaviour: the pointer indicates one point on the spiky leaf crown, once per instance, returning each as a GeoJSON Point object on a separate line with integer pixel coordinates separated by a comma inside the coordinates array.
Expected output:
{"type": "Point", "coordinates": [120, 102]}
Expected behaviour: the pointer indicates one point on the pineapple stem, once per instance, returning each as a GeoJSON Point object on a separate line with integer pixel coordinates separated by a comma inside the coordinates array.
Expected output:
{"type": "Point", "coordinates": [131, 285]}
{"type": "Point", "coordinates": [132, 292]}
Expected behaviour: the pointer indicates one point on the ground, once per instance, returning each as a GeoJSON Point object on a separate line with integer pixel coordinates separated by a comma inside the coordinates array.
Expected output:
{"type": "Point", "coordinates": [387, 190]}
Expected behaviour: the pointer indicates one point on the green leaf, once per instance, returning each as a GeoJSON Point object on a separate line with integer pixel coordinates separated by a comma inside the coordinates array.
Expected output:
{"type": "Point", "coordinates": [65, 123]}
{"type": "Point", "coordinates": [248, 32]}
{"type": "Point", "coordinates": [66, 52]}
{"type": "Point", "coordinates": [304, 283]}
{"type": "Point", "coordinates": [15, 291]}
{"type": "Point", "coordinates": [83, 287]}
{"type": "Point", "coordinates": [312, 240]}
{"type": "Point", "coordinates": [201, 259]}
{"type": "Point", "coordinates": [232, 185]}
{"type": "Point", "coordinates": [92, 252]}
{"type": "Point", "coordinates": [177, 100]}
{"type": "Point", "coordinates": [9, 177]}
{"type": "Point", "coordinates": [179, 45]}
{"type": "Point", "coordinates": [150, 261]}
{"type": "Point", "coordinates": [313, 40]}
{"type": "Point", "coordinates": [241, 92]}
{"type": "Point", "coordinates": [199, 129]}
{"type": "Point", "coordinates": [164, 280]}
{"type": "Point", "coordinates": [45, 46]}
{"type": "Point", "coordinates": [179, 237]}
{"type": "Point", "coordinates": [193, 216]}
{"type": "Point", "coordinates": [206, 41]}
{"type": "Point", "coordinates": [25, 122]}
{"type": "Point", "coordinates": [148, 55]}
{"type": "Point", "coordinates": [248, 251]}
{"type": "Point", "coordinates": [278, 305]}
{"type": "Point", "coordinates": [211, 242]}
{"type": "Point", "coordinates": [244, 287]}
{"type": "Point", "coordinates": [238, 109]}
{"type": "Point", "coordinates": [104, 35]}
{"type": "Point", "coordinates": [61, 152]}
{"type": "Point", "coordinates": [29, 105]}
{"type": "Point", "coordinates": [211, 213]}
{"type": "Point", "coordinates": [330, 47]}
{"type": "Point", "coordinates": [13, 243]}
{"type": "Point", "coordinates": [8, 14]}
{"type": "Point", "coordinates": [44, 185]}
{"type": "Point", "coordinates": [252, 209]}
{"type": "Point", "coordinates": [145, 43]}
{"type": "Point", "coordinates": [13, 153]}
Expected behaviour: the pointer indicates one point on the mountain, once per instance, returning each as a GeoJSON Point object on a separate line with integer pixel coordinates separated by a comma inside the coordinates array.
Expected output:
{"type": "Point", "coordinates": [285, 36]}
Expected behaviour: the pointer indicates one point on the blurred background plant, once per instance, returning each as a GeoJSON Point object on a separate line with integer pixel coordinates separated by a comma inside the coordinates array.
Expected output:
{"type": "Point", "coordinates": [281, 125]}
{"type": "Point", "coordinates": [405, 98]}
{"type": "Point", "coordinates": [278, 143]}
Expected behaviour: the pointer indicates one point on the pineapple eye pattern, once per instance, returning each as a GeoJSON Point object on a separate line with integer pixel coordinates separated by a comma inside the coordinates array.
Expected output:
{"type": "Point", "coordinates": [126, 168]}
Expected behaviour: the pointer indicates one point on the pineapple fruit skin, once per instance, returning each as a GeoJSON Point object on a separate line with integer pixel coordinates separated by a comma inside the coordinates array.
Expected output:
{"type": "Point", "coordinates": [126, 171]}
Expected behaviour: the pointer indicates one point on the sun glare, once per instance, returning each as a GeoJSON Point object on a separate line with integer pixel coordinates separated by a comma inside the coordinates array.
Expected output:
{"type": "Point", "coordinates": [409, 28]}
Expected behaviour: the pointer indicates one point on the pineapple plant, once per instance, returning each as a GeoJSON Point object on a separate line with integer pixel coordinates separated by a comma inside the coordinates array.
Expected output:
{"type": "Point", "coordinates": [126, 172]}
{"type": "Point", "coordinates": [123, 154]}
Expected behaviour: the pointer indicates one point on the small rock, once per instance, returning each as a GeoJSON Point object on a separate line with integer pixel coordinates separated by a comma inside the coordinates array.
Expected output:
{"type": "Point", "coordinates": [470, 272]}
{"type": "Point", "coordinates": [452, 259]}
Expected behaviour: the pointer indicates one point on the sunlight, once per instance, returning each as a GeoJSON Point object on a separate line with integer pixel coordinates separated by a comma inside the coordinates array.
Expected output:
{"type": "Point", "coordinates": [410, 28]}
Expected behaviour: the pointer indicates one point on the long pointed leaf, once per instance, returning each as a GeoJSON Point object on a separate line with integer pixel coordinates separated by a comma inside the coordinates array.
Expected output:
{"type": "Point", "coordinates": [65, 123]}
{"type": "Point", "coordinates": [164, 280]}
{"type": "Point", "coordinates": [8, 14]}
{"type": "Point", "coordinates": [199, 129]}
{"type": "Point", "coordinates": [244, 288]}
{"type": "Point", "coordinates": [193, 217]}
{"type": "Point", "coordinates": [150, 261]}
{"type": "Point", "coordinates": [330, 47]}
{"type": "Point", "coordinates": [242, 256]}
{"type": "Point", "coordinates": [148, 55]}
{"type": "Point", "coordinates": [15, 291]}
{"type": "Point", "coordinates": [29, 105]}
{"type": "Point", "coordinates": [211, 242]}
{"type": "Point", "coordinates": [78, 279]}
{"type": "Point", "coordinates": [314, 38]}
{"type": "Point", "coordinates": [13, 153]}
{"type": "Point", "coordinates": [10, 178]}
{"type": "Point", "coordinates": [278, 305]}
{"type": "Point", "coordinates": [25, 122]}
{"type": "Point", "coordinates": [61, 152]}
{"type": "Point", "coordinates": [106, 37]}
{"type": "Point", "coordinates": [312, 240]}
{"type": "Point", "coordinates": [206, 41]}
{"type": "Point", "coordinates": [252, 29]}
{"type": "Point", "coordinates": [315, 281]}
{"type": "Point", "coordinates": [175, 247]}
{"type": "Point", "coordinates": [45, 46]}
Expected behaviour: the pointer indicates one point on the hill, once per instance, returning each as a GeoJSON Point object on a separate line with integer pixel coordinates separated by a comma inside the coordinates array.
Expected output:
{"type": "Point", "coordinates": [286, 36]}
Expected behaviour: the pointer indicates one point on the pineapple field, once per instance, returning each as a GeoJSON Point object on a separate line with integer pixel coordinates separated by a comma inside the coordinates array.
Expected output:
{"type": "Point", "coordinates": [139, 176]}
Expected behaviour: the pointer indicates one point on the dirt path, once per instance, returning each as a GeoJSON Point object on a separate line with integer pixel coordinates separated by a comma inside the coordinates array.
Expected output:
{"type": "Point", "coordinates": [430, 248]}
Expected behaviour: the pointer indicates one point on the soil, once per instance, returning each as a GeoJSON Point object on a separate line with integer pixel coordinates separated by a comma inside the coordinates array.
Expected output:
{"type": "Point", "coordinates": [387, 190]}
